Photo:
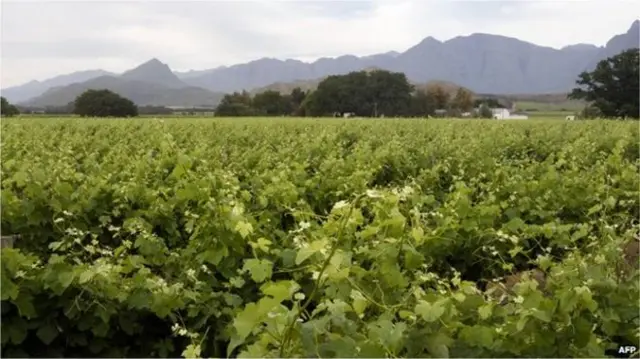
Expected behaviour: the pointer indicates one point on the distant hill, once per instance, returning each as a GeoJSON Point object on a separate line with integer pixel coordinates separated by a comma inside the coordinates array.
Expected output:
{"type": "Point", "coordinates": [484, 63]}
{"type": "Point", "coordinates": [155, 72]}
{"type": "Point", "coordinates": [481, 62]}
{"type": "Point", "coordinates": [34, 88]}
{"type": "Point", "coordinates": [150, 84]}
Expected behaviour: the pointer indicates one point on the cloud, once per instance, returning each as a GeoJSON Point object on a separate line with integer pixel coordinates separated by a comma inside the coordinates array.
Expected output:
{"type": "Point", "coordinates": [44, 39]}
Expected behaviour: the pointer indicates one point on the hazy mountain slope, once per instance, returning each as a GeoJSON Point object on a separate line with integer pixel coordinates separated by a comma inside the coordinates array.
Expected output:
{"type": "Point", "coordinates": [619, 43]}
{"type": "Point", "coordinates": [481, 62]}
{"type": "Point", "coordinates": [264, 72]}
{"type": "Point", "coordinates": [140, 92]}
{"type": "Point", "coordinates": [32, 89]}
{"type": "Point", "coordinates": [151, 83]}
{"type": "Point", "coordinates": [154, 71]}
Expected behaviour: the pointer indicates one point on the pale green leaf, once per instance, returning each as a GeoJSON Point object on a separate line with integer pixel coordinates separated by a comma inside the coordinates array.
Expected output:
{"type": "Point", "coordinates": [430, 312]}
{"type": "Point", "coordinates": [281, 290]}
{"type": "Point", "coordinates": [485, 311]}
{"type": "Point", "coordinates": [260, 269]}
{"type": "Point", "coordinates": [244, 228]}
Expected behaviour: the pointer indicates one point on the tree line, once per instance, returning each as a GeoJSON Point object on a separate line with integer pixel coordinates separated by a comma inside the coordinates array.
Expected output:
{"type": "Point", "coordinates": [361, 93]}
{"type": "Point", "coordinates": [611, 90]}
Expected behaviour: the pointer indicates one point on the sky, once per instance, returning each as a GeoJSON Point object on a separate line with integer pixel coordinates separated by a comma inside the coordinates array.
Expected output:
{"type": "Point", "coordinates": [43, 39]}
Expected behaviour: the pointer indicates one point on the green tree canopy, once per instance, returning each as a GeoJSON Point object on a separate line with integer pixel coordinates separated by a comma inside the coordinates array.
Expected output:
{"type": "Point", "coordinates": [104, 103]}
{"type": "Point", "coordinates": [272, 103]}
{"type": "Point", "coordinates": [422, 104]}
{"type": "Point", "coordinates": [365, 93]}
{"type": "Point", "coordinates": [236, 104]}
{"type": "Point", "coordinates": [297, 98]}
{"type": "Point", "coordinates": [613, 87]}
{"type": "Point", "coordinates": [7, 109]}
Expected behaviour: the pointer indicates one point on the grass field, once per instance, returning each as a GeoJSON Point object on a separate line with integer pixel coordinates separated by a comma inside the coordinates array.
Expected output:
{"type": "Point", "coordinates": [319, 237]}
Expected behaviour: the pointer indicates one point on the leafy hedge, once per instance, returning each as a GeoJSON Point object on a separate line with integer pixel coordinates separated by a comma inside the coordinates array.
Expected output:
{"type": "Point", "coordinates": [316, 238]}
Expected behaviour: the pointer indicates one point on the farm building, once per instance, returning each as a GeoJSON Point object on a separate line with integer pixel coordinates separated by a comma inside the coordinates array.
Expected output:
{"type": "Point", "coordinates": [504, 114]}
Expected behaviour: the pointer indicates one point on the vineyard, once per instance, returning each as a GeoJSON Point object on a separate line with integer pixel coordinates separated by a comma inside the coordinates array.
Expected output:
{"type": "Point", "coordinates": [319, 238]}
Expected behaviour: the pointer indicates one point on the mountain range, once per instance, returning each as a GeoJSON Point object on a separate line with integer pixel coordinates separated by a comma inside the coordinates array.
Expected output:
{"type": "Point", "coordinates": [150, 84]}
{"type": "Point", "coordinates": [483, 63]}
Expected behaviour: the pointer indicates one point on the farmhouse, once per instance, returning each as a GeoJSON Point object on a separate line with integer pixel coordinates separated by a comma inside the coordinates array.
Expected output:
{"type": "Point", "coordinates": [504, 114]}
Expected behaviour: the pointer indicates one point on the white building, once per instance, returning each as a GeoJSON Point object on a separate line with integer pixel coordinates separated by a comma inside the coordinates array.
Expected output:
{"type": "Point", "coordinates": [503, 114]}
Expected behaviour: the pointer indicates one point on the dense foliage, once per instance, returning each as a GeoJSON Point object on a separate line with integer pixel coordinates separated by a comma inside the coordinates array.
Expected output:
{"type": "Point", "coordinates": [373, 93]}
{"type": "Point", "coordinates": [364, 93]}
{"type": "Point", "coordinates": [267, 103]}
{"type": "Point", "coordinates": [317, 238]}
{"type": "Point", "coordinates": [613, 87]}
{"type": "Point", "coordinates": [104, 103]}
{"type": "Point", "coordinates": [7, 109]}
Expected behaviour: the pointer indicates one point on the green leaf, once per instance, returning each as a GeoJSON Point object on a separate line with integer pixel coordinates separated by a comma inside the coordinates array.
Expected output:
{"type": "Point", "coordinates": [594, 209]}
{"type": "Point", "coordinates": [515, 224]}
{"type": "Point", "coordinates": [17, 331]}
{"type": "Point", "coordinates": [478, 335]}
{"type": "Point", "coordinates": [610, 202]}
{"type": "Point", "coordinates": [192, 351]}
{"type": "Point", "coordinates": [485, 311]}
{"type": "Point", "coordinates": [459, 296]}
{"type": "Point", "coordinates": [438, 345]}
{"type": "Point", "coordinates": [543, 315]}
{"type": "Point", "coordinates": [281, 290]}
{"type": "Point", "coordinates": [405, 314]}
{"type": "Point", "coordinates": [65, 279]}
{"type": "Point", "coordinates": [237, 282]}
{"type": "Point", "coordinates": [24, 302]}
{"type": "Point", "coordinates": [522, 322]}
{"type": "Point", "coordinates": [244, 228]}
{"type": "Point", "coordinates": [246, 320]}
{"type": "Point", "coordinates": [214, 255]}
{"type": "Point", "coordinates": [178, 171]}
{"type": "Point", "coordinates": [260, 269]}
{"type": "Point", "coordinates": [234, 342]}
{"type": "Point", "coordinates": [430, 312]}
{"type": "Point", "coordinates": [360, 303]}
{"type": "Point", "coordinates": [264, 244]}
{"type": "Point", "coordinates": [418, 235]}
{"type": "Point", "coordinates": [9, 289]}
{"type": "Point", "coordinates": [311, 249]}
{"type": "Point", "coordinates": [20, 178]}
{"type": "Point", "coordinates": [85, 276]}
{"type": "Point", "coordinates": [47, 333]}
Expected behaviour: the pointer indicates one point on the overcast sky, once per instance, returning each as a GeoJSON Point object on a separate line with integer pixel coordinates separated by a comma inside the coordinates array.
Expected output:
{"type": "Point", "coordinates": [45, 38]}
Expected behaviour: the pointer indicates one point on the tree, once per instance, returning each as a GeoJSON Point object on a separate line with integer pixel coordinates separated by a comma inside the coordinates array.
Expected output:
{"type": "Point", "coordinates": [104, 103]}
{"type": "Point", "coordinates": [365, 93]}
{"type": "Point", "coordinates": [463, 100]}
{"type": "Point", "coordinates": [484, 111]}
{"type": "Point", "coordinates": [272, 103]}
{"type": "Point", "coordinates": [613, 87]}
{"type": "Point", "coordinates": [297, 98]}
{"type": "Point", "coordinates": [438, 96]}
{"type": "Point", "coordinates": [236, 104]}
{"type": "Point", "coordinates": [490, 102]}
{"type": "Point", "coordinates": [7, 109]}
{"type": "Point", "coordinates": [421, 104]}
{"type": "Point", "coordinates": [590, 112]}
